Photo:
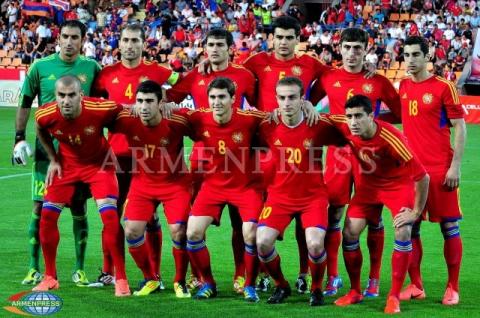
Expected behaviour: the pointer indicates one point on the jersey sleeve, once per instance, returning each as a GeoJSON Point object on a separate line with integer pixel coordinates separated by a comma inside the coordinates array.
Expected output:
{"type": "Point", "coordinates": [250, 93]}
{"type": "Point", "coordinates": [451, 102]}
{"type": "Point", "coordinates": [317, 91]}
{"type": "Point", "coordinates": [164, 75]}
{"type": "Point", "coordinates": [180, 123]}
{"type": "Point", "coordinates": [43, 116]}
{"type": "Point", "coordinates": [192, 120]}
{"type": "Point", "coordinates": [182, 88]}
{"type": "Point", "coordinates": [391, 98]}
{"type": "Point", "coordinates": [417, 170]}
{"type": "Point", "coordinates": [330, 134]}
{"type": "Point", "coordinates": [31, 85]}
{"type": "Point", "coordinates": [99, 88]}
{"type": "Point", "coordinates": [122, 123]}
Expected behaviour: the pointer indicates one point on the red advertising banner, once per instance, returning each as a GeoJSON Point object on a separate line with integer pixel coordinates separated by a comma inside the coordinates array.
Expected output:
{"type": "Point", "coordinates": [471, 106]}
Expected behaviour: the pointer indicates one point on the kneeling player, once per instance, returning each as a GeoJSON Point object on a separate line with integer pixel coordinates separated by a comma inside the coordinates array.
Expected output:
{"type": "Point", "coordinates": [227, 135]}
{"type": "Point", "coordinates": [77, 122]}
{"type": "Point", "coordinates": [161, 176]}
{"type": "Point", "coordinates": [297, 189]}
{"type": "Point", "coordinates": [391, 175]}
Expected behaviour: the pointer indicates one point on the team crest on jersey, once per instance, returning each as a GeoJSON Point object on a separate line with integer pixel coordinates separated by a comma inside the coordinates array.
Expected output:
{"type": "Point", "coordinates": [367, 88]}
{"type": "Point", "coordinates": [206, 134]}
{"type": "Point", "coordinates": [277, 142]}
{"type": "Point", "coordinates": [89, 130]}
{"type": "Point", "coordinates": [58, 132]}
{"type": "Point", "coordinates": [115, 80]}
{"type": "Point", "coordinates": [337, 84]}
{"type": "Point", "coordinates": [427, 98]}
{"type": "Point", "coordinates": [267, 69]}
{"type": "Point", "coordinates": [143, 79]}
{"type": "Point", "coordinates": [297, 70]}
{"type": "Point", "coordinates": [237, 137]}
{"type": "Point", "coordinates": [164, 142]}
{"type": "Point", "coordinates": [82, 78]}
{"type": "Point", "coordinates": [201, 83]}
{"type": "Point", "coordinates": [307, 143]}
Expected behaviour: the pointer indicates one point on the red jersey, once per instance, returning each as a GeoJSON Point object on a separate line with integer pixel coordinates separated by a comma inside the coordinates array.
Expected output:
{"type": "Point", "coordinates": [158, 150]}
{"type": "Point", "coordinates": [227, 148]}
{"type": "Point", "coordinates": [269, 70]}
{"type": "Point", "coordinates": [386, 160]}
{"type": "Point", "coordinates": [340, 85]}
{"type": "Point", "coordinates": [426, 109]}
{"type": "Point", "coordinates": [195, 84]}
{"type": "Point", "coordinates": [297, 156]}
{"type": "Point", "coordinates": [81, 139]}
{"type": "Point", "coordinates": [119, 83]}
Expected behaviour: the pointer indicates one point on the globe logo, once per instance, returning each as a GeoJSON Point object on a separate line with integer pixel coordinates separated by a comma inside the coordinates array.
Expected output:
{"type": "Point", "coordinates": [41, 303]}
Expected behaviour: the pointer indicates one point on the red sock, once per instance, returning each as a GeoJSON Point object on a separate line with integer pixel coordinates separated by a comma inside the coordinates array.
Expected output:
{"type": "Point", "coordinates": [113, 238]}
{"type": "Point", "coordinates": [400, 261]}
{"type": "Point", "coordinates": [375, 240]}
{"type": "Point", "coordinates": [302, 247]}
{"type": "Point", "coordinates": [272, 265]}
{"type": "Point", "coordinates": [107, 258]}
{"type": "Point", "coordinates": [251, 264]}
{"type": "Point", "coordinates": [180, 257]}
{"type": "Point", "coordinates": [200, 258]}
{"type": "Point", "coordinates": [154, 244]}
{"type": "Point", "coordinates": [238, 246]}
{"type": "Point", "coordinates": [139, 251]}
{"type": "Point", "coordinates": [49, 236]}
{"type": "Point", "coordinates": [353, 262]}
{"type": "Point", "coordinates": [452, 251]}
{"type": "Point", "coordinates": [317, 266]}
{"type": "Point", "coordinates": [333, 239]}
{"type": "Point", "coordinates": [415, 262]}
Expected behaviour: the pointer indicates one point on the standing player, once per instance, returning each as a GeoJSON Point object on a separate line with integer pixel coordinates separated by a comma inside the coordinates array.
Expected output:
{"type": "Point", "coordinates": [430, 106]}
{"type": "Point", "coordinates": [339, 85]}
{"type": "Point", "coordinates": [40, 82]}
{"type": "Point", "coordinates": [77, 123]}
{"type": "Point", "coordinates": [119, 82]}
{"type": "Point", "coordinates": [162, 176]}
{"type": "Point", "coordinates": [268, 68]}
{"type": "Point", "coordinates": [389, 175]}
{"type": "Point", "coordinates": [227, 134]}
{"type": "Point", "coordinates": [218, 43]}
{"type": "Point", "coordinates": [297, 188]}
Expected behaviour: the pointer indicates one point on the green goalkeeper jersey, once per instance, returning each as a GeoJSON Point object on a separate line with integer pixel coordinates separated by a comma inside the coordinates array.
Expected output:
{"type": "Point", "coordinates": [41, 77]}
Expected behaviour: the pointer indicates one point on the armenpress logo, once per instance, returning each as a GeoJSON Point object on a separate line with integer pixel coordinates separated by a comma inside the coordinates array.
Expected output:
{"type": "Point", "coordinates": [34, 303]}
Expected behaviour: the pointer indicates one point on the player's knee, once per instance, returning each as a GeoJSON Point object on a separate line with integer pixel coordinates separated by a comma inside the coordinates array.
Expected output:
{"type": "Point", "coordinates": [349, 234]}
{"type": "Point", "coordinates": [178, 232]}
{"type": "Point", "coordinates": [315, 246]}
{"type": "Point", "coordinates": [264, 243]}
{"type": "Point", "coordinates": [250, 236]}
{"type": "Point", "coordinates": [403, 233]}
{"type": "Point", "coordinates": [194, 233]}
{"type": "Point", "coordinates": [446, 225]}
{"type": "Point", "coordinates": [132, 233]}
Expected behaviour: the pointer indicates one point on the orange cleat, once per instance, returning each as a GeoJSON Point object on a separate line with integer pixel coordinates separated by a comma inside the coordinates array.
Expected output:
{"type": "Point", "coordinates": [47, 283]}
{"type": "Point", "coordinates": [393, 305]}
{"type": "Point", "coordinates": [352, 297]}
{"type": "Point", "coordinates": [451, 297]}
{"type": "Point", "coordinates": [412, 292]}
{"type": "Point", "coordinates": [121, 288]}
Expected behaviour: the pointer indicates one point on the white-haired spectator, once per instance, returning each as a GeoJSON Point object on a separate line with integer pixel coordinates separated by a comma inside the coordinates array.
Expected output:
{"type": "Point", "coordinates": [89, 48]}
{"type": "Point", "coordinates": [107, 58]}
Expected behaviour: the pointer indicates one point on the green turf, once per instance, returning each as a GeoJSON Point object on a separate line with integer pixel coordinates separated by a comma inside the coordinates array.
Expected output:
{"type": "Point", "coordinates": [87, 302]}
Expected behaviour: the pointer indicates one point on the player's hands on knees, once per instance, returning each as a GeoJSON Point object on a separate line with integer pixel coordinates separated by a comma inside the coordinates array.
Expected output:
{"type": "Point", "coordinates": [21, 151]}
{"type": "Point", "coordinates": [167, 109]}
{"type": "Point", "coordinates": [406, 216]}
{"type": "Point", "coordinates": [204, 67]}
{"type": "Point", "coordinates": [311, 114]}
{"type": "Point", "coordinates": [452, 178]}
{"type": "Point", "coordinates": [54, 168]}
{"type": "Point", "coordinates": [370, 68]}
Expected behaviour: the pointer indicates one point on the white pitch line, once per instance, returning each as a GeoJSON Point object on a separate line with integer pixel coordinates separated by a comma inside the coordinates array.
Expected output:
{"type": "Point", "coordinates": [15, 175]}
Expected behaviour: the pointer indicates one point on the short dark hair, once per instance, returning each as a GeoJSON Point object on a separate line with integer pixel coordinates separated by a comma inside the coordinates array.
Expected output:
{"type": "Point", "coordinates": [74, 24]}
{"type": "Point", "coordinates": [291, 81]}
{"type": "Point", "coordinates": [150, 86]}
{"type": "Point", "coordinates": [354, 35]}
{"type": "Point", "coordinates": [286, 22]}
{"type": "Point", "coordinates": [218, 33]}
{"type": "Point", "coordinates": [68, 80]}
{"type": "Point", "coordinates": [222, 83]}
{"type": "Point", "coordinates": [413, 40]}
{"type": "Point", "coordinates": [135, 27]}
{"type": "Point", "coordinates": [360, 101]}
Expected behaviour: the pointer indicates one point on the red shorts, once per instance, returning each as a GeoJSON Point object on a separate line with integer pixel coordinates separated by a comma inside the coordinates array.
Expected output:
{"type": "Point", "coordinates": [442, 202]}
{"type": "Point", "coordinates": [103, 183]}
{"type": "Point", "coordinates": [142, 202]}
{"type": "Point", "coordinates": [367, 203]}
{"type": "Point", "coordinates": [278, 215]}
{"type": "Point", "coordinates": [210, 202]}
{"type": "Point", "coordinates": [341, 168]}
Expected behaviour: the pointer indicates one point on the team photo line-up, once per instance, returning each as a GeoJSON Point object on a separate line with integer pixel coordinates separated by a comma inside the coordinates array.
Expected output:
{"type": "Point", "coordinates": [264, 162]}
